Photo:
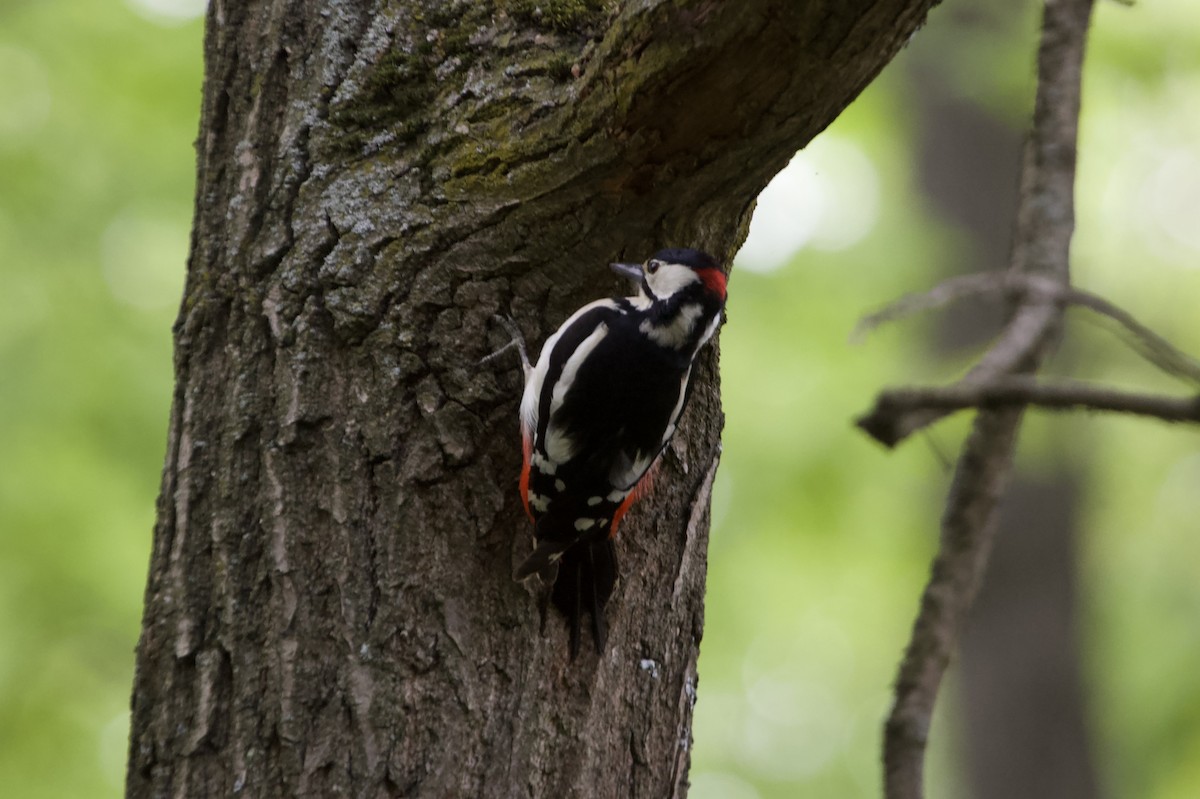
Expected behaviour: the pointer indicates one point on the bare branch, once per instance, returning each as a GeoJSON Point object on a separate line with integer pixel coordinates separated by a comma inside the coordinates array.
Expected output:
{"type": "Point", "coordinates": [1017, 287]}
{"type": "Point", "coordinates": [1151, 346]}
{"type": "Point", "coordinates": [1045, 222]}
{"type": "Point", "coordinates": [943, 294]}
{"type": "Point", "coordinates": [979, 480]}
{"type": "Point", "coordinates": [1064, 395]}
{"type": "Point", "coordinates": [1027, 334]}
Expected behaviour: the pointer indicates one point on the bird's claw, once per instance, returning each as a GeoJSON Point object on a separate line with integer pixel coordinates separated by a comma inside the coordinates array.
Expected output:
{"type": "Point", "coordinates": [516, 340]}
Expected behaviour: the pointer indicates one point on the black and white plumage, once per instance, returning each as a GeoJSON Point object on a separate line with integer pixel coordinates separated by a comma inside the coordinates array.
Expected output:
{"type": "Point", "coordinates": [599, 407]}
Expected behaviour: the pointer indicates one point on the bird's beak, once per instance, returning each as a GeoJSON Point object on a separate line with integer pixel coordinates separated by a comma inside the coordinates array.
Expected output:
{"type": "Point", "coordinates": [629, 271]}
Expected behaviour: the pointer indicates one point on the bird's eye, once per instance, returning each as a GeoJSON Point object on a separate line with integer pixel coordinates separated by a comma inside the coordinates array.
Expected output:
{"type": "Point", "coordinates": [652, 266]}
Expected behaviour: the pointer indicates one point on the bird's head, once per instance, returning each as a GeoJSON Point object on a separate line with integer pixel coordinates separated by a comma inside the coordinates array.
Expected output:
{"type": "Point", "coordinates": [676, 271]}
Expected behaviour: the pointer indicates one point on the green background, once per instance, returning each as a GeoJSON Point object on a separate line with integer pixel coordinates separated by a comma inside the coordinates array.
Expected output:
{"type": "Point", "coordinates": [821, 540]}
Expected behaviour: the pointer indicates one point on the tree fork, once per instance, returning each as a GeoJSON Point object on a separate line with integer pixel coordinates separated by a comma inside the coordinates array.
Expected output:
{"type": "Point", "coordinates": [330, 608]}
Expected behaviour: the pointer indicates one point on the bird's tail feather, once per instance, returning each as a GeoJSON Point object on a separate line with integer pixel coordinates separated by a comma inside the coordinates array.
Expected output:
{"type": "Point", "coordinates": [542, 559]}
{"type": "Point", "coordinates": [587, 573]}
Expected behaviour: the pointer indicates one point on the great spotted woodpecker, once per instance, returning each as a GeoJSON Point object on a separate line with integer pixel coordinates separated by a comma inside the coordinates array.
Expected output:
{"type": "Point", "coordinates": [599, 408]}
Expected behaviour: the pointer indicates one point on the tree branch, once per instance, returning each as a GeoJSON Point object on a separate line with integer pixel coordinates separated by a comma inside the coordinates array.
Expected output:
{"type": "Point", "coordinates": [1045, 222]}
{"type": "Point", "coordinates": [1147, 343]}
{"type": "Point", "coordinates": [1151, 346]}
{"type": "Point", "coordinates": [1065, 395]}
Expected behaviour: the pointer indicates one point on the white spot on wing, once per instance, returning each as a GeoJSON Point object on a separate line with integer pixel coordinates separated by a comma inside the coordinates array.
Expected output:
{"type": "Point", "coordinates": [584, 524]}
{"type": "Point", "coordinates": [544, 465]}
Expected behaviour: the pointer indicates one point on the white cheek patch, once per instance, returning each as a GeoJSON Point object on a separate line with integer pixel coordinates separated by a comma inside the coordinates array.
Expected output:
{"type": "Point", "coordinates": [671, 278]}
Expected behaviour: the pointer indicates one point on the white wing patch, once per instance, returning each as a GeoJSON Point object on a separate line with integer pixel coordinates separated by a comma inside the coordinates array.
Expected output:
{"type": "Point", "coordinates": [571, 367]}
{"type": "Point", "coordinates": [537, 378]}
{"type": "Point", "coordinates": [559, 446]}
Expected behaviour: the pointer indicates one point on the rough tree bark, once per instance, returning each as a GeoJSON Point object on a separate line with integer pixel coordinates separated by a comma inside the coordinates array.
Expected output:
{"type": "Point", "coordinates": [330, 607]}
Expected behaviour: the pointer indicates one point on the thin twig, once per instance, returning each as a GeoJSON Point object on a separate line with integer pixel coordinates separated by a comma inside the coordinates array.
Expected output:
{"type": "Point", "coordinates": [1016, 287]}
{"type": "Point", "coordinates": [1045, 222]}
{"type": "Point", "coordinates": [1150, 345]}
{"type": "Point", "coordinates": [1062, 395]}
{"type": "Point", "coordinates": [943, 294]}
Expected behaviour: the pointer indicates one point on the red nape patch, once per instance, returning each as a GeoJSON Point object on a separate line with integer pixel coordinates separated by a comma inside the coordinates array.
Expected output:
{"type": "Point", "coordinates": [714, 280]}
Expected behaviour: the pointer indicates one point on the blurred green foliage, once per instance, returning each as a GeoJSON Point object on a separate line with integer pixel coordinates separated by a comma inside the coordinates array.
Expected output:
{"type": "Point", "coordinates": [821, 540]}
{"type": "Point", "coordinates": [98, 110]}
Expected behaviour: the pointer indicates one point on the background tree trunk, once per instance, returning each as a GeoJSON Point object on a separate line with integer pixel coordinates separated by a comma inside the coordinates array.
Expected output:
{"type": "Point", "coordinates": [330, 607]}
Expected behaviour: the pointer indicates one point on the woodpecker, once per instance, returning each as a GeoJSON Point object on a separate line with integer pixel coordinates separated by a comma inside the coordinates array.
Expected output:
{"type": "Point", "coordinates": [598, 410]}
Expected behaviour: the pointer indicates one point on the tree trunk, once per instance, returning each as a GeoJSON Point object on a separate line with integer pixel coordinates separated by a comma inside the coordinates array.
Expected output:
{"type": "Point", "coordinates": [330, 608]}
